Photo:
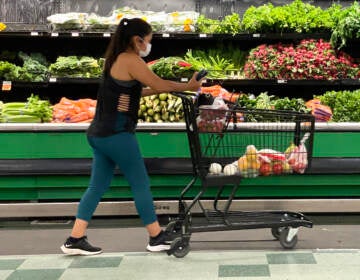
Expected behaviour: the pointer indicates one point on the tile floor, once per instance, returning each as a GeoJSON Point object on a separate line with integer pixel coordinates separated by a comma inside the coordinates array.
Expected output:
{"type": "Point", "coordinates": [210, 265]}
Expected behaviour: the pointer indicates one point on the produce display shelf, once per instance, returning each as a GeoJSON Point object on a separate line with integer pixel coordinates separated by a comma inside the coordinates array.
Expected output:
{"type": "Point", "coordinates": [209, 81]}
{"type": "Point", "coordinates": [151, 127]}
{"type": "Point", "coordinates": [163, 35]}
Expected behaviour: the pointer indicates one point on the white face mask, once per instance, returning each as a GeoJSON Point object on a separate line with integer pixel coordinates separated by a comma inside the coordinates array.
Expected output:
{"type": "Point", "coordinates": [147, 50]}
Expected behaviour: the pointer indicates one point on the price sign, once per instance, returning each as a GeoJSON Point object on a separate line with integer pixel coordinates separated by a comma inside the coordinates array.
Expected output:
{"type": "Point", "coordinates": [52, 80]}
{"type": "Point", "coordinates": [106, 34]}
{"type": "Point", "coordinates": [202, 35]}
{"type": "Point", "coordinates": [34, 33]}
{"type": "Point", "coordinates": [54, 34]}
{"type": "Point", "coordinates": [6, 86]}
{"type": "Point", "coordinates": [281, 81]}
{"type": "Point", "coordinates": [256, 35]}
{"type": "Point", "coordinates": [166, 35]}
{"type": "Point", "coordinates": [184, 79]}
{"type": "Point", "coordinates": [75, 34]}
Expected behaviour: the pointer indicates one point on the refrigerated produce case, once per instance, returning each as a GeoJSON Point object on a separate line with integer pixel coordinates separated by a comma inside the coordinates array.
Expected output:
{"type": "Point", "coordinates": [45, 167]}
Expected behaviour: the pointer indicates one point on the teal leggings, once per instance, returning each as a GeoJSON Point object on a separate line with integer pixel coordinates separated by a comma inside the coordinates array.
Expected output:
{"type": "Point", "coordinates": [120, 149]}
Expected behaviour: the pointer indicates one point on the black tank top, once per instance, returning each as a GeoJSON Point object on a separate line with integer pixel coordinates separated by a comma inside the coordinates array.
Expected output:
{"type": "Point", "coordinates": [117, 107]}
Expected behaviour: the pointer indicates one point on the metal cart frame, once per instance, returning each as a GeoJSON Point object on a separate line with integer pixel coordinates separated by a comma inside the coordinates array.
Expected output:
{"type": "Point", "coordinates": [284, 225]}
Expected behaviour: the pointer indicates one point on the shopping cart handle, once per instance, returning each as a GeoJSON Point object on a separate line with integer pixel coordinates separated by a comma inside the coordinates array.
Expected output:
{"type": "Point", "coordinates": [184, 94]}
{"type": "Point", "coordinates": [202, 73]}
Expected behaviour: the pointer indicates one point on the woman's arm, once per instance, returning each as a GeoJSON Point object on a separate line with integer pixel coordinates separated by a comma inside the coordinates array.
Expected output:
{"type": "Point", "coordinates": [139, 71]}
{"type": "Point", "coordinates": [148, 91]}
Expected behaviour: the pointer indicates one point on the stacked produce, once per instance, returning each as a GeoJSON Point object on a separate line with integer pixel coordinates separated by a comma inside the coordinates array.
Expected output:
{"type": "Point", "coordinates": [225, 61]}
{"type": "Point", "coordinates": [294, 17]}
{"type": "Point", "coordinates": [231, 24]}
{"type": "Point", "coordinates": [171, 67]}
{"type": "Point", "coordinates": [269, 102]}
{"type": "Point", "coordinates": [74, 111]}
{"type": "Point", "coordinates": [23, 67]}
{"type": "Point", "coordinates": [322, 113]}
{"type": "Point", "coordinates": [76, 67]}
{"type": "Point", "coordinates": [34, 110]}
{"type": "Point", "coordinates": [311, 59]}
{"type": "Point", "coordinates": [183, 21]}
{"type": "Point", "coordinates": [163, 107]}
{"type": "Point", "coordinates": [348, 26]}
{"type": "Point", "coordinates": [345, 105]}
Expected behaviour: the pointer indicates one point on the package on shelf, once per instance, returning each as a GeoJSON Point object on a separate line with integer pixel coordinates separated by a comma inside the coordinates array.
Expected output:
{"type": "Point", "coordinates": [68, 21]}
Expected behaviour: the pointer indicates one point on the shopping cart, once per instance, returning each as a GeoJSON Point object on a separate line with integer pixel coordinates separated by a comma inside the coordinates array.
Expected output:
{"type": "Point", "coordinates": [230, 143]}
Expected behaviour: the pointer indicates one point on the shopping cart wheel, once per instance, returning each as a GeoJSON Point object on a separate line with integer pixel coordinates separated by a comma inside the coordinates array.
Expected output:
{"type": "Point", "coordinates": [180, 247]}
{"type": "Point", "coordinates": [276, 232]}
{"type": "Point", "coordinates": [174, 227]}
{"type": "Point", "coordinates": [288, 238]}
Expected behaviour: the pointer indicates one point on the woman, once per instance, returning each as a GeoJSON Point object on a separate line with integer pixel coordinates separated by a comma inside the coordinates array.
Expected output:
{"type": "Point", "coordinates": [111, 134]}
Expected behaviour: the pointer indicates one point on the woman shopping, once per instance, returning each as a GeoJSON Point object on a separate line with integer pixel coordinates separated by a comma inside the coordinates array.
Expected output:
{"type": "Point", "coordinates": [111, 134]}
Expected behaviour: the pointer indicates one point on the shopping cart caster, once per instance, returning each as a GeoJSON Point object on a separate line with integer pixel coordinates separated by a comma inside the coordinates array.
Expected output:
{"type": "Point", "coordinates": [288, 237]}
{"type": "Point", "coordinates": [276, 232]}
{"type": "Point", "coordinates": [174, 227]}
{"type": "Point", "coordinates": [179, 247]}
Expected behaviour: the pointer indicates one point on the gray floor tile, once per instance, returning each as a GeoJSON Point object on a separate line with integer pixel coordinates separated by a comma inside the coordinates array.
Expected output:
{"type": "Point", "coordinates": [6, 264]}
{"type": "Point", "coordinates": [291, 258]}
{"type": "Point", "coordinates": [94, 273]}
{"type": "Point", "coordinates": [244, 270]}
{"type": "Point", "coordinates": [46, 262]}
{"type": "Point", "coordinates": [38, 274]}
{"type": "Point", "coordinates": [95, 262]}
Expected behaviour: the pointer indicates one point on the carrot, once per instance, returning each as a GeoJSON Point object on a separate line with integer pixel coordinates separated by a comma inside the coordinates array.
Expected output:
{"type": "Point", "coordinates": [78, 117]}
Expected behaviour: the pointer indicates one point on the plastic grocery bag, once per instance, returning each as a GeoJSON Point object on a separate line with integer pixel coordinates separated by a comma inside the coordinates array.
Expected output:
{"type": "Point", "coordinates": [212, 117]}
{"type": "Point", "coordinates": [298, 157]}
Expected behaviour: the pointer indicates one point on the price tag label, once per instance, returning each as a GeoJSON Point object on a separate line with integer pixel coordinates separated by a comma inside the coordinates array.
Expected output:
{"type": "Point", "coordinates": [75, 34]}
{"type": "Point", "coordinates": [184, 79]}
{"type": "Point", "coordinates": [106, 34]}
{"type": "Point", "coordinates": [6, 86]}
{"type": "Point", "coordinates": [281, 81]}
{"type": "Point", "coordinates": [52, 80]}
{"type": "Point", "coordinates": [256, 35]}
{"type": "Point", "coordinates": [34, 33]}
{"type": "Point", "coordinates": [202, 35]}
{"type": "Point", "coordinates": [54, 34]}
{"type": "Point", "coordinates": [166, 35]}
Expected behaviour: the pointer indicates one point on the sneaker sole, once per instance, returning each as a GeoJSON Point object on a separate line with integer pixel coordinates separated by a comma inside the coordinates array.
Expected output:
{"type": "Point", "coordinates": [73, 252]}
{"type": "Point", "coordinates": [158, 248]}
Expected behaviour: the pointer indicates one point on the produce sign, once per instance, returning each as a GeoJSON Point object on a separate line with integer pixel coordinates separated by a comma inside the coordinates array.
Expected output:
{"type": "Point", "coordinates": [161, 108]}
{"type": "Point", "coordinates": [76, 67]}
{"type": "Point", "coordinates": [311, 59]}
{"type": "Point", "coordinates": [171, 67]}
{"type": "Point", "coordinates": [32, 111]}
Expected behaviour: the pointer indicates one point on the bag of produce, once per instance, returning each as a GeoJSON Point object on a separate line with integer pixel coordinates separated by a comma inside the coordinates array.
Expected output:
{"type": "Point", "coordinates": [212, 117]}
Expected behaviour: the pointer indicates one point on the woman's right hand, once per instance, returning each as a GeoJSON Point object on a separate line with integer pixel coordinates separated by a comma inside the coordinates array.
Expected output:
{"type": "Point", "coordinates": [193, 84]}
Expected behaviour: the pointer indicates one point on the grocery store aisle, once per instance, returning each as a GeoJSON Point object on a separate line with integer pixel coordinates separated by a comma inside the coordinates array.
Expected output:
{"type": "Point", "coordinates": [297, 264]}
{"type": "Point", "coordinates": [330, 250]}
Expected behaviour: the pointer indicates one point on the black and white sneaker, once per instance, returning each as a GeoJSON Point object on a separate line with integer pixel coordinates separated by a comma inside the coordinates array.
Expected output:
{"type": "Point", "coordinates": [80, 247]}
{"type": "Point", "coordinates": [160, 243]}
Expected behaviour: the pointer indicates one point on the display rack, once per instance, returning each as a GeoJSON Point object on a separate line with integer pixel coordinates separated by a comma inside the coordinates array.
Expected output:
{"type": "Point", "coordinates": [42, 163]}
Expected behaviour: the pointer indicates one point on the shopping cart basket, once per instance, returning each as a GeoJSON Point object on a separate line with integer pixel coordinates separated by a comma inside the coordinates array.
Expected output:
{"type": "Point", "coordinates": [227, 144]}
